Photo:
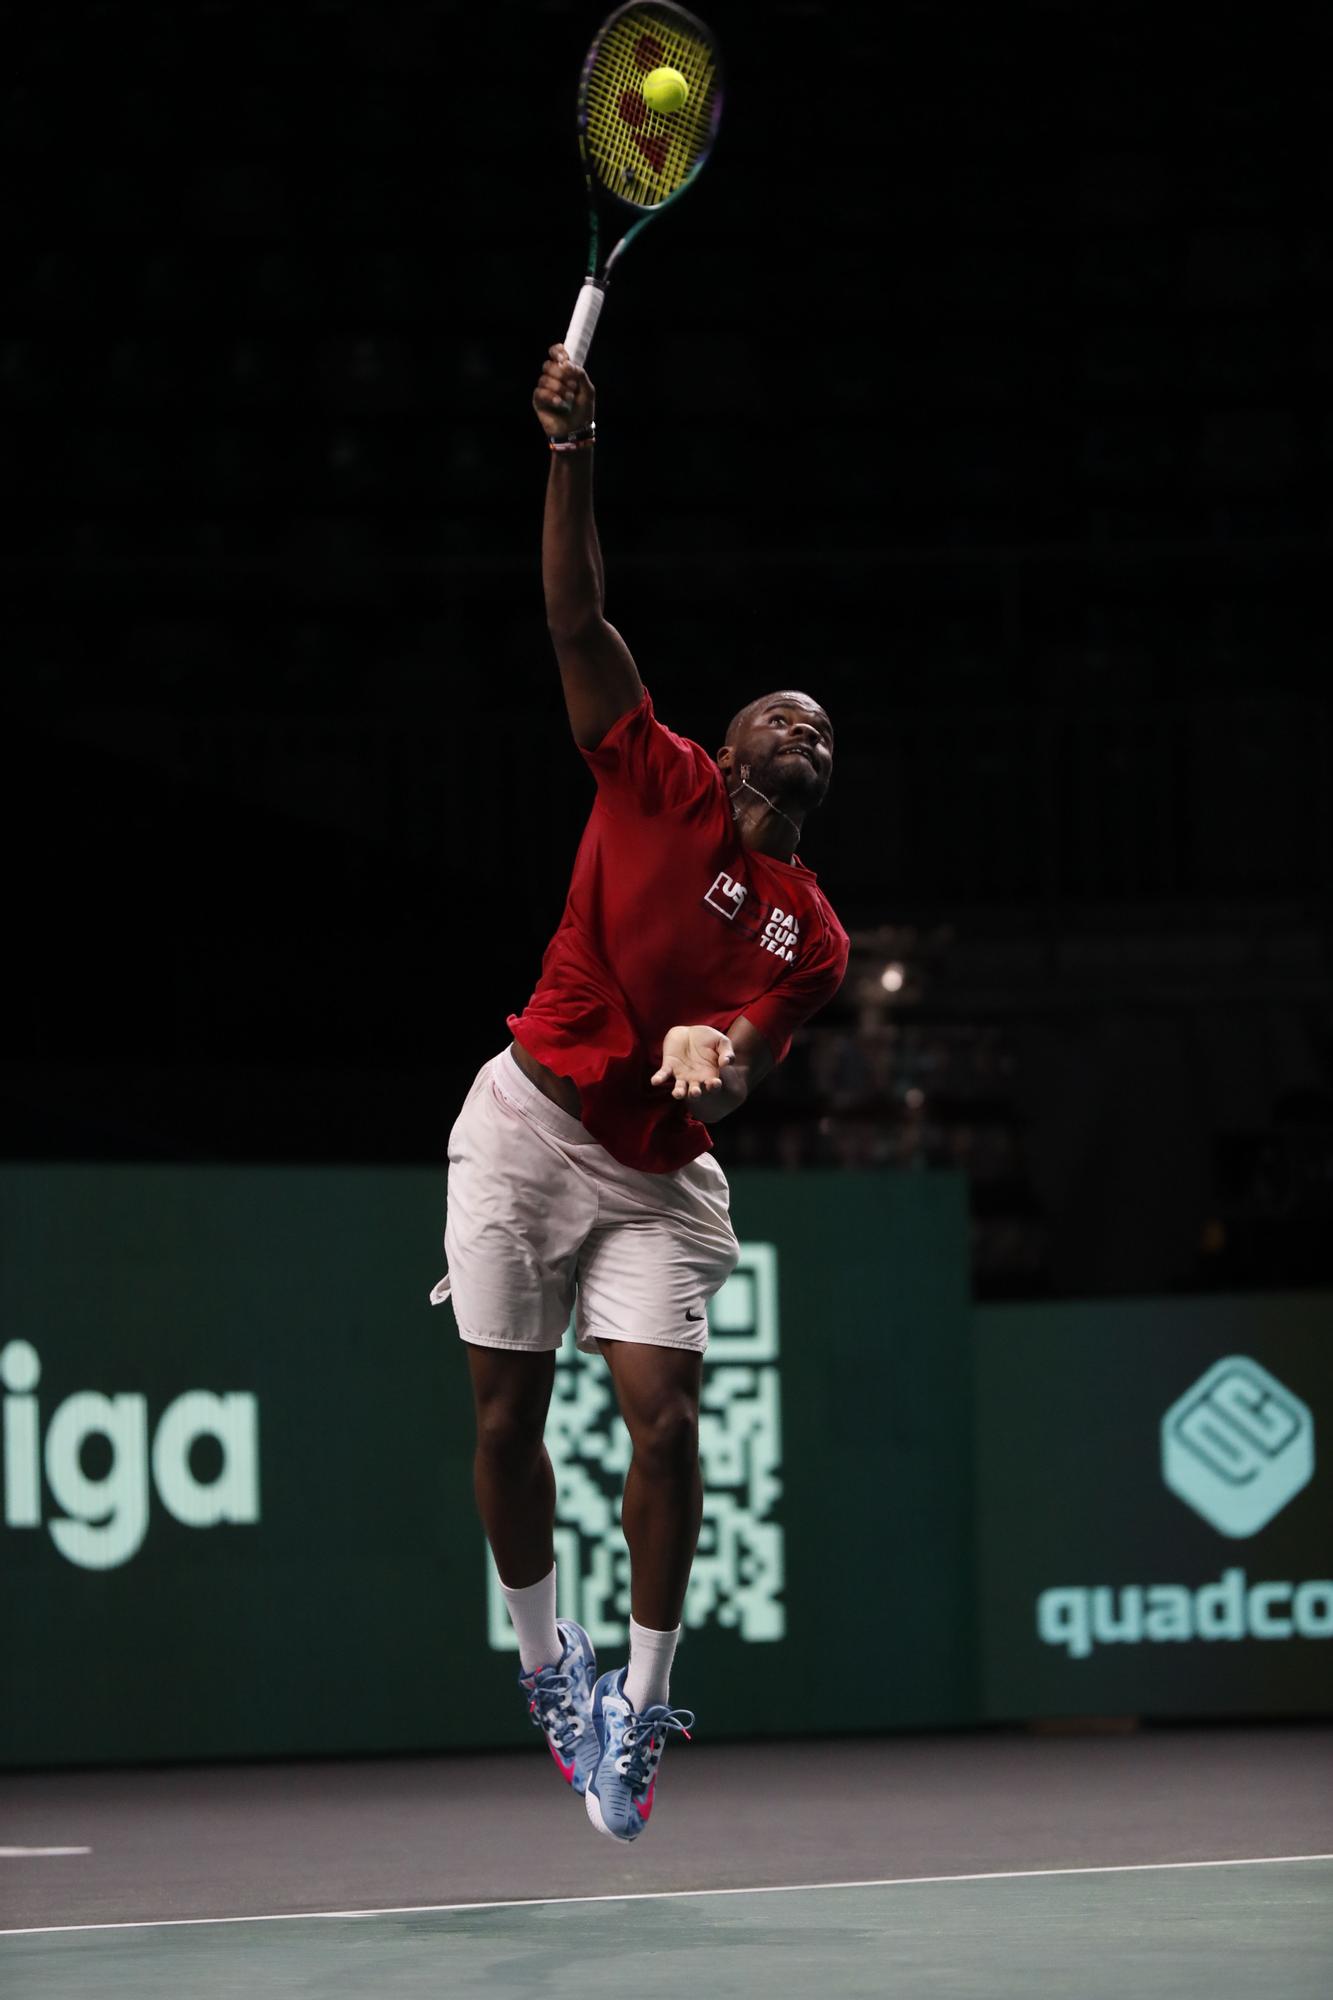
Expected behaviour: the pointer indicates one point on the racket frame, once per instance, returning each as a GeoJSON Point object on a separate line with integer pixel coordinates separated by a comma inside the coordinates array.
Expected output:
{"type": "Point", "coordinates": [603, 205]}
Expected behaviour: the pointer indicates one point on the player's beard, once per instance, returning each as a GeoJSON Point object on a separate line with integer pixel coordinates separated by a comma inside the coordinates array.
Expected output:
{"type": "Point", "coordinates": [790, 780]}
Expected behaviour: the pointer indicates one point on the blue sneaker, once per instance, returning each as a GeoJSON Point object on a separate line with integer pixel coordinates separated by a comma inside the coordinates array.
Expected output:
{"type": "Point", "coordinates": [560, 1704]}
{"type": "Point", "coordinates": [620, 1792]}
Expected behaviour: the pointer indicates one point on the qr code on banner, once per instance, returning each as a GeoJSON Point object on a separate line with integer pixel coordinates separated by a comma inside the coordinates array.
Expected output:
{"type": "Point", "coordinates": [737, 1577]}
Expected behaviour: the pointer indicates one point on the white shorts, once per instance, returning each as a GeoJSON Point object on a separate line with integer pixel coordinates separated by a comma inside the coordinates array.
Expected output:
{"type": "Point", "coordinates": [541, 1221]}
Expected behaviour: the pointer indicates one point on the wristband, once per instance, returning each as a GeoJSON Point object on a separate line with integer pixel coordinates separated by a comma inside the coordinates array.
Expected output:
{"type": "Point", "coordinates": [575, 440]}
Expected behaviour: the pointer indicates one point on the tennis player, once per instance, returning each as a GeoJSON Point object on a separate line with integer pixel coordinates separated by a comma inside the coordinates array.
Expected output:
{"type": "Point", "coordinates": [692, 945]}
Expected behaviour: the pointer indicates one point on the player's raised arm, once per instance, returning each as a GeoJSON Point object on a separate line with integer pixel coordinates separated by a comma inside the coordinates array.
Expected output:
{"type": "Point", "coordinates": [601, 681]}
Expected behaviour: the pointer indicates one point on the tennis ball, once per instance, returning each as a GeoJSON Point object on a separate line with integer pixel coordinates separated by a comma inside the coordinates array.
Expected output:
{"type": "Point", "coordinates": [665, 90]}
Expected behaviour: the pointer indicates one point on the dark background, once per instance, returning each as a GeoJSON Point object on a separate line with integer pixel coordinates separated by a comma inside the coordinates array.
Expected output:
{"type": "Point", "coordinates": [982, 387]}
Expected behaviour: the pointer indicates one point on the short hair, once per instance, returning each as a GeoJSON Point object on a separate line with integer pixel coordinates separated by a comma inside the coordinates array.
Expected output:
{"type": "Point", "coordinates": [742, 715]}
{"type": "Point", "coordinates": [739, 720]}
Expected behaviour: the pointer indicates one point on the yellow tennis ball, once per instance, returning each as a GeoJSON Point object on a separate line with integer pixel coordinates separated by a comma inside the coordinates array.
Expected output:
{"type": "Point", "coordinates": [665, 90]}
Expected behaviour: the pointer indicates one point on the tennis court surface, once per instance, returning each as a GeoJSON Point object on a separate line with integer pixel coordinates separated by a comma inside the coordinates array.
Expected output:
{"type": "Point", "coordinates": [1190, 1862]}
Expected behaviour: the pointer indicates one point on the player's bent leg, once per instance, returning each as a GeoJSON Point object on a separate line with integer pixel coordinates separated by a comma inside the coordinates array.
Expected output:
{"type": "Point", "coordinates": [658, 1392]}
{"type": "Point", "coordinates": [512, 1475]}
{"type": "Point", "coordinates": [657, 1389]}
{"type": "Point", "coordinates": [515, 1489]}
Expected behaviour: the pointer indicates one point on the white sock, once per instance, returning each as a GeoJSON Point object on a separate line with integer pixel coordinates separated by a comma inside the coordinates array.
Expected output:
{"type": "Point", "coordinates": [532, 1615]}
{"type": "Point", "coordinates": [650, 1655]}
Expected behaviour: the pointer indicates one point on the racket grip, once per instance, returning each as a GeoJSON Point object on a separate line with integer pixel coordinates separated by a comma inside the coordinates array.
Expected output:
{"type": "Point", "coordinates": [583, 325]}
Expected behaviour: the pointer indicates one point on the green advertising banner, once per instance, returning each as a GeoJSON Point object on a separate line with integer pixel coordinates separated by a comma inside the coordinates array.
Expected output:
{"type": "Point", "coordinates": [1156, 1526]}
{"type": "Point", "coordinates": [237, 1509]}
{"type": "Point", "coordinates": [235, 1466]}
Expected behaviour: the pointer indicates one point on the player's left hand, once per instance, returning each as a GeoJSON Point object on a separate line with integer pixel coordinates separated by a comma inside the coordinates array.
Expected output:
{"type": "Point", "coordinates": [693, 1060]}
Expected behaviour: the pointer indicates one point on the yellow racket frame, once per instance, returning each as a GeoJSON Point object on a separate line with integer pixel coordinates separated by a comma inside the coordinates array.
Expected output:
{"type": "Point", "coordinates": [641, 156]}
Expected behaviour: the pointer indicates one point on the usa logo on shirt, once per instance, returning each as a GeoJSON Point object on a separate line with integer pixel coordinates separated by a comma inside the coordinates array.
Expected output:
{"type": "Point", "coordinates": [726, 896]}
{"type": "Point", "coordinates": [773, 929]}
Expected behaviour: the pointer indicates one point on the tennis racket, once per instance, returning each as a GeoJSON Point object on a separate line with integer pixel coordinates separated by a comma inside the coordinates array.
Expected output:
{"type": "Point", "coordinates": [637, 160]}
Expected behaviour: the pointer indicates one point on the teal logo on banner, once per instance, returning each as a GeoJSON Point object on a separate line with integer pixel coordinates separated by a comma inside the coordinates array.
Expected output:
{"type": "Point", "coordinates": [737, 1578]}
{"type": "Point", "coordinates": [1237, 1447]}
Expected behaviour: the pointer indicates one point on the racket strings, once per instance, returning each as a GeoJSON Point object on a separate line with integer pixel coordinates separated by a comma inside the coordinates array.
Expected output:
{"type": "Point", "coordinates": [640, 155]}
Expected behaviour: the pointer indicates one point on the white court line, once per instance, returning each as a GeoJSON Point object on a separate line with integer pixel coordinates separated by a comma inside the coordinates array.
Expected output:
{"type": "Point", "coordinates": [667, 1895]}
{"type": "Point", "coordinates": [38, 1853]}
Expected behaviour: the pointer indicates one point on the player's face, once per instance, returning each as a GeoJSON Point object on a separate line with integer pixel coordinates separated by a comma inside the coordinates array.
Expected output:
{"type": "Point", "coordinates": [787, 740]}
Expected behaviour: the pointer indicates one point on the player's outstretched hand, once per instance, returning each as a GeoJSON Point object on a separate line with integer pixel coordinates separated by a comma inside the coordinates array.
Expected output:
{"type": "Point", "coordinates": [564, 398]}
{"type": "Point", "coordinates": [693, 1060]}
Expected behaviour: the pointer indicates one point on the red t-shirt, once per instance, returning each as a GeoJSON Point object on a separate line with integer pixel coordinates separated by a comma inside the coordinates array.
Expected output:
{"type": "Point", "coordinates": [670, 921]}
